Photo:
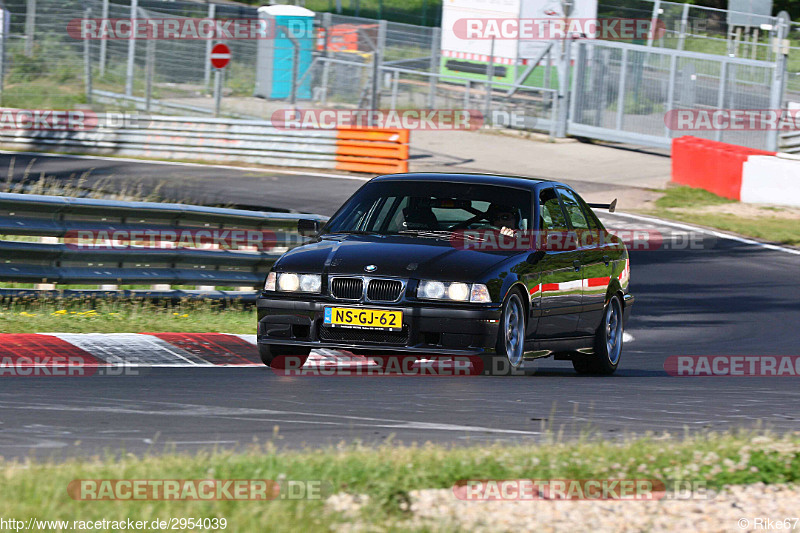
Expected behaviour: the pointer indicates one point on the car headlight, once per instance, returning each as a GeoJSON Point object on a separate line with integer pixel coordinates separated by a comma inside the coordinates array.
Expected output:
{"type": "Point", "coordinates": [310, 283]}
{"type": "Point", "coordinates": [479, 293]}
{"type": "Point", "coordinates": [454, 291]}
{"type": "Point", "coordinates": [291, 282]}
{"type": "Point", "coordinates": [269, 285]}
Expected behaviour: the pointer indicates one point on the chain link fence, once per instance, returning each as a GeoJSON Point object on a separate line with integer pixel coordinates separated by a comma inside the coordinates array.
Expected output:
{"type": "Point", "coordinates": [361, 63]}
{"type": "Point", "coordinates": [707, 30]}
{"type": "Point", "coordinates": [627, 91]}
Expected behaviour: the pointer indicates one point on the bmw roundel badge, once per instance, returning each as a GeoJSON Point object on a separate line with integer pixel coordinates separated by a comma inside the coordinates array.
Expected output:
{"type": "Point", "coordinates": [371, 268]}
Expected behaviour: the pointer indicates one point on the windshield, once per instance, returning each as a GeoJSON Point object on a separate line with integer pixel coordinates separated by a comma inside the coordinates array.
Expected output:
{"type": "Point", "coordinates": [429, 208]}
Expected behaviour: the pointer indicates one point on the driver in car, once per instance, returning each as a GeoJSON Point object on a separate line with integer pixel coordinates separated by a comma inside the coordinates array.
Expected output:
{"type": "Point", "coordinates": [503, 218]}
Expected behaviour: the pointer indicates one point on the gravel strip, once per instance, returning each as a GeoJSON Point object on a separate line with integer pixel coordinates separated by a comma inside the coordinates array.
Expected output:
{"type": "Point", "coordinates": [736, 508]}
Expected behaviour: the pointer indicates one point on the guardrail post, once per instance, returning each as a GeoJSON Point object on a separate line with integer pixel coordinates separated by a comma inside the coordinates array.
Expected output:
{"type": "Point", "coordinates": [30, 26]}
{"type": "Point", "coordinates": [5, 15]}
{"type": "Point", "coordinates": [653, 22]}
{"type": "Point", "coordinates": [295, 67]}
{"type": "Point", "coordinates": [87, 61]}
{"type": "Point", "coordinates": [326, 25]}
{"type": "Point", "coordinates": [212, 10]}
{"type": "Point", "coordinates": [217, 90]}
{"type": "Point", "coordinates": [673, 72]}
{"type": "Point", "coordinates": [44, 286]}
{"type": "Point", "coordinates": [579, 84]}
{"type": "Point", "coordinates": [563, 89]}
{"type": "Point", "coordinates": [778, 87]}
{"type": "Point", "coordinates": [487, 106]}
{"type": "Point", "coordinates": [395, 83]}
{"type": "Point", "coordinates": [623, 70]}
{"type": "Point", "coordinates": [148, 79]}
{"type": "Point", "coordinates": [723, 82]}
{"type": "Point", "coordinates": [103, 42]}
{"type": "Point", "coordinates": [377, 59]}
{"type": "Point", "coordinates": [684, 25]}
{"type": "Point", "coordinates": [131, 52]}
{"type": "Point", "coordinates": [436, 36]}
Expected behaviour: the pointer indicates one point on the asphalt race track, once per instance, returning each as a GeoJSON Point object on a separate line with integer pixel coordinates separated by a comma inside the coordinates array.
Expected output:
{"type": "Point", "coordinates": [729, 298]}
{"type": "Point", "coordinates": [305, 192]}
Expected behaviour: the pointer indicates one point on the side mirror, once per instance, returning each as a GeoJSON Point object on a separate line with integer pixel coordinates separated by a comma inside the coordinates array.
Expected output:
{"type": "Point", "coordinates": [535, 257]}
{"type": "Point", "coordinates": [308, 228]}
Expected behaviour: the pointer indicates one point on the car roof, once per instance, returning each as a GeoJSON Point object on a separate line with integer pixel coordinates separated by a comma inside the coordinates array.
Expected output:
{"type": "Point", "coordinates": [459, 177]}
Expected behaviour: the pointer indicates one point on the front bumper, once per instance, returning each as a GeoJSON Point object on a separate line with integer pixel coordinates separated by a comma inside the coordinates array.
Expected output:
{"type": "Point", "coordinates": [427, 328]}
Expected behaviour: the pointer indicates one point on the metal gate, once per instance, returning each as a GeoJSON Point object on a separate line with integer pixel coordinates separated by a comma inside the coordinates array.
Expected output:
{"type": "Point", "coordinates": [622, 92]}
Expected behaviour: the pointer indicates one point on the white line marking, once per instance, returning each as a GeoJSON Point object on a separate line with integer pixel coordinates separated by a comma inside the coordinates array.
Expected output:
{"type": "Point", "coordinates": [184, 164]}
{"type": "Point", "coordinates": [705, 231]}
{"type": "Point", "coordinates": [627, 337]}
{"type": "Point", "coordinates": [202, 442]}
{"type": "Point", "coordinates": [238, 413]}
{"type": "Point", "coordinates": [247, 337]}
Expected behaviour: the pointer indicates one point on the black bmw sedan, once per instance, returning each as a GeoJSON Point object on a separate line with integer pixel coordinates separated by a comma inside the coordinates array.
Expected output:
{"type": "Point", "coordinates": [431, 265]}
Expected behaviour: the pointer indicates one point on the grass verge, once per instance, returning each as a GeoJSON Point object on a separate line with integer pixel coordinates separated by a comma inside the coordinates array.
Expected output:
{"type": "Point", "coordinates": [698, 206]}
{"type": "Point", "coordinates": [386, 474]}
{"type": "Point", "coordinates": [124, 316]}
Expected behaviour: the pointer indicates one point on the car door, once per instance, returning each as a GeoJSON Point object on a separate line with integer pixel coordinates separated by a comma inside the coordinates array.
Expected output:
{"type": "Point", "coordinates": [559, 265]}
{"type": "Point", "coordinates": [595, 269]}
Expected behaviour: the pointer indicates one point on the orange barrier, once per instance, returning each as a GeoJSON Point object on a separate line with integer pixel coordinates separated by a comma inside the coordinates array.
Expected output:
{"type": "Point", "coordinates": [372, 150]}
{"type": "Point", "coordinates": [710, 165]}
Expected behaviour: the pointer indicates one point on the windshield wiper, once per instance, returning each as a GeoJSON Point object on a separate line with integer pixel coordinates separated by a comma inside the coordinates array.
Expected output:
{"type": "Point", "coordinates": [436, 234]}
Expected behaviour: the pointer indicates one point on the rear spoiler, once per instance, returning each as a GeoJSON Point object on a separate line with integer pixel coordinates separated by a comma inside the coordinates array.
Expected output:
{"type": "Point", "coordinates": [611, 207]}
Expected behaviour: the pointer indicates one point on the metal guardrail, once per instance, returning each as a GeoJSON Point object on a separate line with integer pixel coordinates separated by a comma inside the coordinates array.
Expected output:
{"type": "Point", "coordinates": [61, 261]}
{"type": "Point", "coordinates": [790, 142]}
{"type": "Point", "coordinates": [227, 140]}
{"type": "Point", "coordinates": [140, 103]}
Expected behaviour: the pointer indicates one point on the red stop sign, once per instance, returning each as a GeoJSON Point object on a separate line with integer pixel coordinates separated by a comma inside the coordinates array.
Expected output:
{"type": "Point", "coordinates": [220, 55]}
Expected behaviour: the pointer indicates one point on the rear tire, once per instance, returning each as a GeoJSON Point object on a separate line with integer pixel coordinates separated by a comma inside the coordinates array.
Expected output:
{"type": "Point", "coordinates": [269, 353]}
{"type": "Point", "coordinates": [607, 344]}
{"type": "Point", "coordinates": [510, 347]}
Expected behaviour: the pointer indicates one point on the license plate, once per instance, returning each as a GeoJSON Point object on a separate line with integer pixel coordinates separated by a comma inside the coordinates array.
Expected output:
{"type": "Point", "coordinates": [349, 317]}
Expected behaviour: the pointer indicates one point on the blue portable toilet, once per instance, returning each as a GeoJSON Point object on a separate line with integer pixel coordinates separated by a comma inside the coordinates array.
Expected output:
{"type": "Point", "coordinates": [275, 55]}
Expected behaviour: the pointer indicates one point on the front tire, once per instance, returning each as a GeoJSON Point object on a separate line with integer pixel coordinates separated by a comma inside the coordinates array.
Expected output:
{"type": "Point", "coordinates": [269, 353]}
{"type": "Point", "coordinates": [510, 346]}
{"type": "Point", "coordinates": [607, 343]}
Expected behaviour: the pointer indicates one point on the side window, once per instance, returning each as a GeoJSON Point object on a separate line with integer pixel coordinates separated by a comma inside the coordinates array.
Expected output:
{"type": "Point", "coordinates": [379, 213]}
{"type": "Point", "coordinates": [551, 216]}
{"type": "Point", "coordinates": [574, 211]}
{"type": "Point", "coordinates": [594, 222]}
{"type": "Point", "coordinates": [395, 223]}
